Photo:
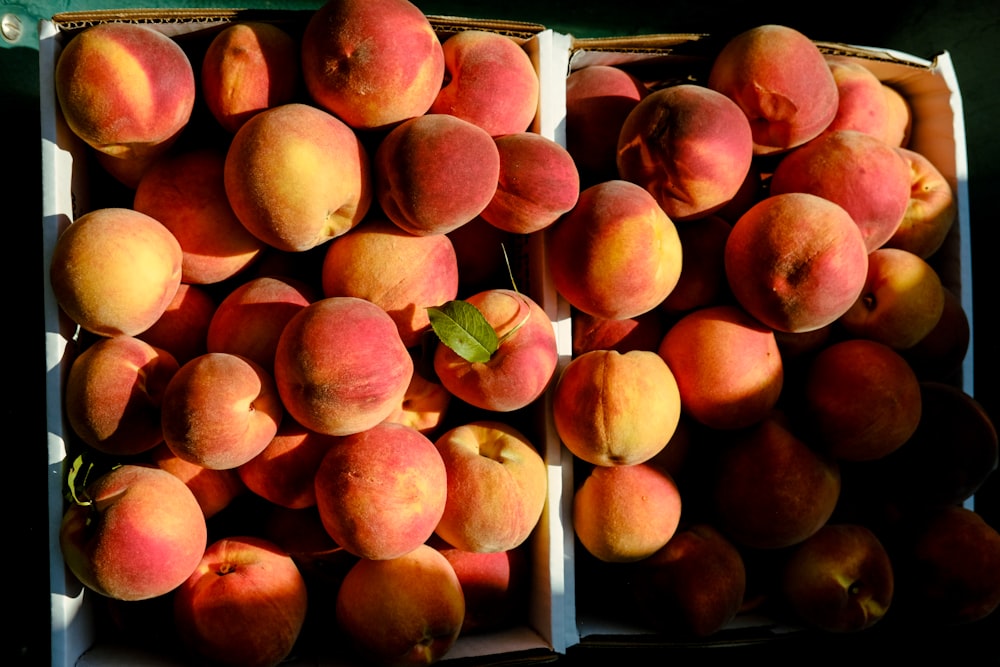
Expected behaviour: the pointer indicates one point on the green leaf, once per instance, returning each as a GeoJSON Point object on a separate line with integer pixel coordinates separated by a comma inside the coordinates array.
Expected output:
{"type": "Point", "coordinates": [463, 328]}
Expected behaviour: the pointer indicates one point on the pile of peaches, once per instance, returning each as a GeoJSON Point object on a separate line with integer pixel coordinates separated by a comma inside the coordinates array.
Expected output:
{"type": "Point", "coordinates": [306, 392]}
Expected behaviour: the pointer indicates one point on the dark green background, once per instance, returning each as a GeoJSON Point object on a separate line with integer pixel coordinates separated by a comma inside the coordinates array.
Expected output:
{"type": "Point", "coordinates": [970, 31]}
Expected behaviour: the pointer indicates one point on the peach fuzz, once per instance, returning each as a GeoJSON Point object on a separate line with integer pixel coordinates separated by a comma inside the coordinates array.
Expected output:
{"type": "Point", "coordinates": [863, 174]}
{"type": "Point", "coordinates": [425, 404]}
{"type": "Point", "coordinates": [296, 177]}
{"type": "Point", "coordinates": [727, 366]}
{"type": "Point", "coordinates": [702, 282]}
{"type": "Point", "coordinates": [643, 332]}
{"type": "Point", "coordinates": [519, 370]}
{"type": "Point", "coordinates": [538, 183]}
{"type": "Point", "coordinates": [340, 366]}
{"type": "Point", "coordinates": [862, 105]}
{"type": "Point", "coordinates": [931, 211]}
{"type": "Point", "coordinates": [616, 254]}
{"type": "Point", "coordinates": [186, 192]}
{"type": "Point", "coordinates": [403, 273]}
{"type": "Point", "coordinates": [624, 514]}
{"type": "Point", "coordinates": [220, 410]}
{"type": "Point", "coordinates": [615, 409]}
{"type": "Point", "coordinates": [248, 67]}
{"type": "Point", "coordinates": [182, 329]}
{"type": "Point", "coordinates": [113, 394]}
{"type": "Point", "coordinates": [689, 146]}
{"type": "Point", "coordinates": [372, 64]}
{"type": "Point", "coordinates": [404, 612]}
{"type": "Point", "coordinates": [426, 201]}
{"type": "Point", "coordinates": [140, 537]}
{"type": "Point", "coordinates": [796, 261]}
{"type": "Point", "coordinates": [126, 89]}
{"type": "Point", "coordinates": [284, 471]}
{"type": "Point", "coordinates": [214, 490]}
{"type": "Point", "coordinates": [115, 271]}
{"type": "Point", "coordinates": [489, 81]}
{"type": "Point", "coordinates": [786, 106]}
{"type": "Point", "coordinates": [381, 492]}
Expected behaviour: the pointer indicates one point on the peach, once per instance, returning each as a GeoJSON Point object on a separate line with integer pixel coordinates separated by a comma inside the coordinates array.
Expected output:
{"type": "Point", "coordinates": [862, 103]}
{"type": "Point", "coordinates": [863, 174]}
{"type": "Point", "coordinates": [538, 183]}
{"type": "Point", "coordinates": [381, 492]}
{"type": "Point", "coordinates": [215, 490]}
{"type": "Point", "coordinates": [786, 106]}
{"type": "Point", "coordinates": [114, 392]}
{"type": "Point", "coordinates": [248, 67]}
{"type": "Point", "coordinates": [403, 273]}
{"type": "Point", "coordinates": [404, 611]}
{"type": "Point", "coordinates": [425, 404]}
{"type": "Point", "coordinates": [245, 604]}
{"type": "Point", "coordinates": [616, 254]}
{"type": "Point", "coordinates": [220, 410]}
{"type": "Point", "coordinates": [340, 366]}
{"type": "Point", "coordinates": [643, 332]}
{"type": "Point", "coordinates": [250, 318]}
{"type": "Point", "coordinates": [702, 281]}
{"type": "Point", "coordinates": [518, 370]}
{"type": "Point", "coordinates": [140, 536]}
{"type": "Point", "coordinates": [689, 146]}
{"type": "Point", "coordinates": [931, 211]}
{"type": "Point", "coordinates": [598, 99]}
{"type": "Point", "coordinates": [186, 192]}
{"type": "Point", "coordinates": [625, 513]}
{"type": "Point", "coordinates": [125, 89]}
{"type": "Point", "coordinates": [372, 64]}
{"type": "Point", "coordinates": [796, 261]}
{"type": "Point", "coordinates": [182, 329]}
{"type": "Point", "coordinates": [939, 355]}
{"type": "Point", "coordinates": [489, 81]}
{"type": "Point", "coordinates": [426, 201]}
{"type": "Point", "coordinates": [284, 471]}
{"type": "Point", "coordinates": [727, 366]}
{"type": "Point", "coordinates": [614, 409]}
{"type": "Point", "coordinates": [296, 177]}
{"type": "Point", "coordinates": [115, 271]}
{"type": "Point", "coordinates": [900, 117]}
{"type": "Point", "coordinates": [497, 486]}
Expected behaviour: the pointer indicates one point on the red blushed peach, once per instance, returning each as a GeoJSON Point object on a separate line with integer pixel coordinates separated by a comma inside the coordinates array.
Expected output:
{"type": "Point", "coordinates": [623, 514]}
{"type": "Point", "coordinates": [616, 409]}
{"type": "Point", "coordinates": [296, 177]}
{"type": "Point", "coordinates": [900, 117]}
{"type": "Point", "coordinates": [125, 89]}
{"type": "Point", "coordinates": [862, 105]}
{"type": "Point", "coordinates": [214, 490]}
{"type": "Point", "coordinates": [248, 67]}
{"type": "Point", "coordinates": [643, 332]}
{"type": "Point", "coordinates": [727, 366]}
{"type": "Point", "coordinates": [426, 201]}
{"type": "Point", "coordinates": [403, 273]}
{"type": "Point", "coordinates": [186, 193]}
{"type": "Point", "coordinates": [786, 106]}
{"type": "Point", "coordinates": [115, 271]}
{"type": "Point", "coordinates": [616, 254]}
{"type": "Point", "coordinates": [220, 410]}
{"type": "Point", "coordinates": [489, 81]}
{"type": "Point", "coordinates": [140, 537]}
{"type": "Point", "coordinates": [249, 319]}
{"type": "Point", "coordinates": [939, 355]}
{"type": "Point", "coordinates": [372, 64]}
{"type": "Point", "coordinates": [182, 329]}
{"type": "Point", "coordinates": [931, 211]}
{"type": "Point", "coordinates": [425, 404]}
{"type": "Point", "coordinates": [340, 366]}
{"type": "Point", "coordinates": [796, 261]}
{"type": "Point", "coordinates": [702, 281]}
{"type": "Point", "coordinates": [538, 183]}
{"type": "Point", "coordinates": [689, 146]}
{"type": "Point", "coordinates": [521, 367]}
{"type": "Point", "coordinates": [863, 174]}
{"type": "Point", "coordinates": [381, 492]}
{"type": "Point", "coordinates": [113, 394]}
{"type": "Point", "coordinates": [598, 99]}
{"type": "Point", "coordinates": [284, 472]}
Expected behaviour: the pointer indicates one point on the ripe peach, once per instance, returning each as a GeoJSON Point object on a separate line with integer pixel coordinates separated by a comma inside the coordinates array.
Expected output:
{"type": "Point", "coordinates": [786, 106]}
{"type": "Point", "coordinates": [703, 280]}
{"type": "Point", "coordinates": [727, 366]}
{"type": "Point", "coordinates": [616, 409]}
{"type": "Point", "coordinates": [248, 67]}
{"type": "Point", "coordinates": [381, 492]}
{"type": "Point", "coordinates": [284, 471]}
{"type": "Point", "coordinates": [372, 64]}
{"type": "Point", "coordinates": [115, 271]}
{"type": "Point", "coordinates": [860, 172]}
{"type": "Point", "coordinates": [796, 261]}
{"type": "Point", "coordinates": [616, 254]}
{"type": "Point", "coordinates": [900, 117]}
{"type": "Point", "coordinates": [403, 273]}
{"type": "Point", "coordinates": [689, 146]}
{"type": "Point", "coordinates": [489, 81]}
{"type": "Point", "coordinates": [643, 332]}
{"type": "Point", "coordinates": [214, 490]}
{"type": "Point", "coordinates": [931, 211]}
{"type": "Point", "coordinates": [186, 192]}
{"type": "Point", "coordinates": [182, 329]}
{"type": "Point", "coordinates": [340, 366]}
{"type": "Point", "coordinates": [939, 355]}
{"type": "Point", "coordinates": [425, 404]}
{"type": "Point", "coordinates": [297, 177]}
{"type": "Point", "coordinates": [862, 103]}
{"type": "Point", "coordinates": [425, 201]}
